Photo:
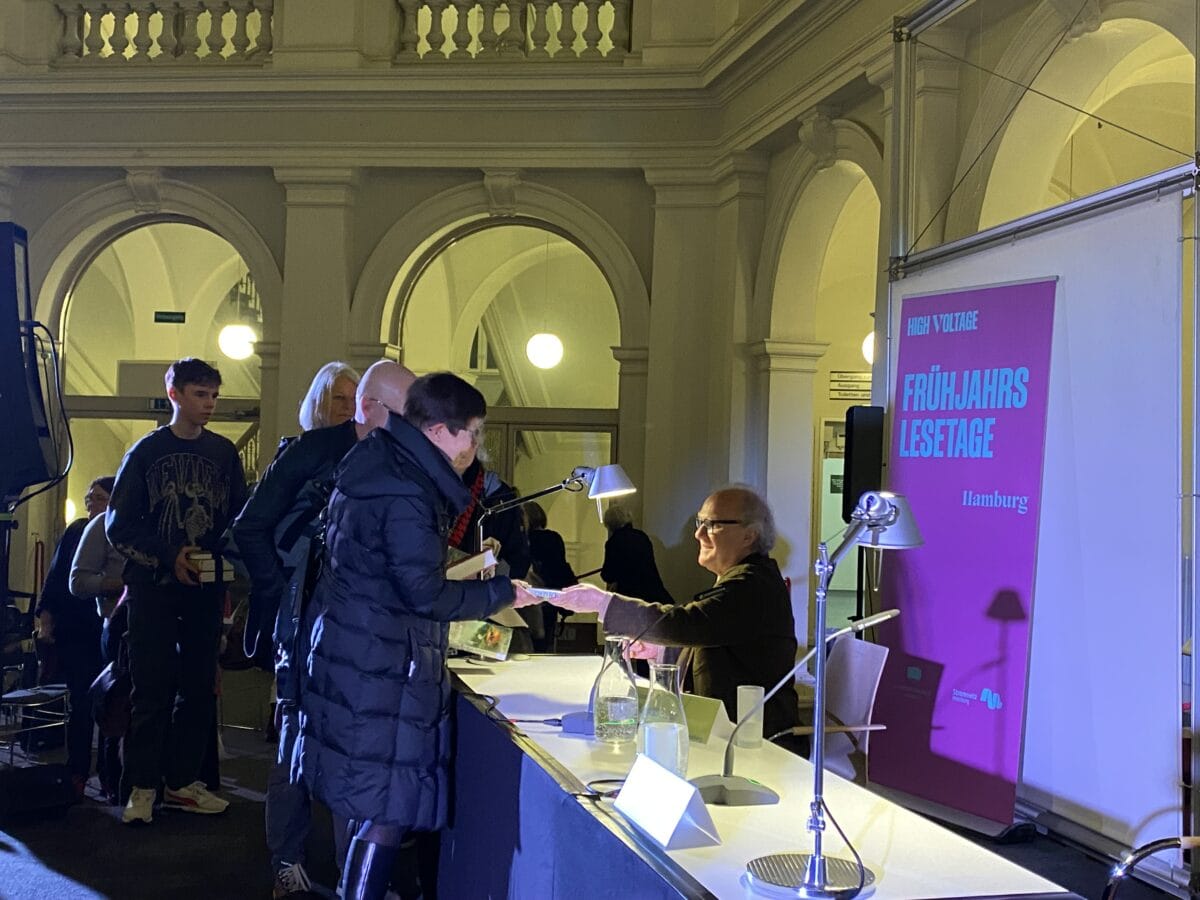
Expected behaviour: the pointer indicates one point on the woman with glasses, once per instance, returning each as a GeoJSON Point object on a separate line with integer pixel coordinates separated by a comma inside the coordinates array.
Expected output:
{"type": "Point", "coordinates": [374, 741]}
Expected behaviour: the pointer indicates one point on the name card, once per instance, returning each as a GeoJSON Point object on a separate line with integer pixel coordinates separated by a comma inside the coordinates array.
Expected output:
{"type": "Point", "coordinates": [666, 807]}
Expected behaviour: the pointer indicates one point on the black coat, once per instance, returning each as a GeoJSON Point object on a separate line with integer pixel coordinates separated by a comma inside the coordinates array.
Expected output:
{"type": "Point", "coordinates": [374, 723]}
{"type": "Point", "coordinates": [629, 566]}
{"type": "Point", "coordinates": [742, 629]}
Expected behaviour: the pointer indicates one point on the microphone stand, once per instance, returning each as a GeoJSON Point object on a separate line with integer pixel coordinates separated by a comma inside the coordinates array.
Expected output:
{"type": "Point", "coordinates": [728, 789]}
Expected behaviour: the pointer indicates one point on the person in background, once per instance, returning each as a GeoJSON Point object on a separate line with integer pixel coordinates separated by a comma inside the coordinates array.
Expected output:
{"type": "Point", "coordinates": [331, 397]}
{"type": "Point", "coordinates": [505, 529]}
{"type": "Point", "coordinates": [95, 580]}
{"type": "Point", "coordinates": [178, 489]}
{"type": "Point", "coordinates": [629, 566]}
{"type": "Point", "coordinates": [72, 628]}
{"type": "Point", "coordinates": [548, 567]}
{"type": "Point", "coordinates": [741, 629]}
{"type": "Point", "coordinates": [274, 533]}
{"type": "Point", "coordinates": [374, 741]}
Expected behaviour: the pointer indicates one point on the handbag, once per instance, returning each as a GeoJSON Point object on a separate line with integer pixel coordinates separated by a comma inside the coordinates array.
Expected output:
{"type": "Point", "coordinates": [110, 696]}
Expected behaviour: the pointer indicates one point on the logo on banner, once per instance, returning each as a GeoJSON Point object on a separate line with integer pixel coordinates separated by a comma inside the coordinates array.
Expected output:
{"type": "Point", "coordinates": [988, 697]}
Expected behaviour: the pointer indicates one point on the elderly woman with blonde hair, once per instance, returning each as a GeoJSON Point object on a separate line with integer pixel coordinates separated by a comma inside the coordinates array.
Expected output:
{"type": "Point", "coordinates": [330, 397]}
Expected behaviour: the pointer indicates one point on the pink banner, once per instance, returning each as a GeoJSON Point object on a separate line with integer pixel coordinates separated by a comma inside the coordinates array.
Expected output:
{"type": "Point", "coordinates": [968, 432]}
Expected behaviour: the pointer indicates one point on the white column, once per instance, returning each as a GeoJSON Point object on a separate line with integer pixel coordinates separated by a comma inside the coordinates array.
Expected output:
{"type": "Point", "coordinates": [316, 281]}
{"type": "Point", "coordinates": [687, 451]}
{"type": "Point", "coordinates": [269, 410]}
{"type": "Point", "coordinates": [785, 375]}
{"type": "Point", "coordinates": [631, 415]}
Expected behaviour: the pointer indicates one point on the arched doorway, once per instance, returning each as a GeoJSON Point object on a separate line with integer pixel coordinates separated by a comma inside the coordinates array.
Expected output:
{"type": "Point", "coordinates": [821, 305]}
{"type": "Point", "coordinates": [476, 299]}
{"type": "Point", "coordinates": [156, 293]}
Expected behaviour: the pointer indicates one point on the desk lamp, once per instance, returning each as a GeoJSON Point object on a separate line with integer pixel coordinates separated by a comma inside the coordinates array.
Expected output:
{"type": "Point", "coordinates": [602, 482]}
{"type": "Point", "coordinates": [883, 520]}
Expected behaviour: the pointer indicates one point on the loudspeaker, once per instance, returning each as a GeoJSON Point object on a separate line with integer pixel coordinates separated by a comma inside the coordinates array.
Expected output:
{"type": "Point", "coordinates": [863, 464]}
{"type": "Point", "coordinates": [29, 457]}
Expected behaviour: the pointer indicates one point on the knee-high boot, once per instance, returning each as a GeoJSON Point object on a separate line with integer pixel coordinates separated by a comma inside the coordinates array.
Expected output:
{"type": "Point", "coordinates": [368, 870]}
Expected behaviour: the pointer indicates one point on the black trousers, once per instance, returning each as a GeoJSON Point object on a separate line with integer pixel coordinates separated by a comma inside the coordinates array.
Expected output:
{"type": "Point", "coordinates": [112, 638]}
{"type": "Point", "coordinates": [79, 664]}
{"type": "Point", "coordinates": [173, 634]}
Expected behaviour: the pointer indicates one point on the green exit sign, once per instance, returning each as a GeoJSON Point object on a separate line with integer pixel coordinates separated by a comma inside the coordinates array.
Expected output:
{"type": "Point", "coordinates": [168, 317]}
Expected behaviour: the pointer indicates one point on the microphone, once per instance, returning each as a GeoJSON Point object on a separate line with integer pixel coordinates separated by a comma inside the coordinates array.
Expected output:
{"type": "Point", "coordinates": [728, 789]}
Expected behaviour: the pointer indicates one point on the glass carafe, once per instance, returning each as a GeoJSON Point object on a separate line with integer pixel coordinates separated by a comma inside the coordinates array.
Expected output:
{"type": "Point", "coordinates": [614, 696]}
{"type": "Point", "coordinates": [662, 729]}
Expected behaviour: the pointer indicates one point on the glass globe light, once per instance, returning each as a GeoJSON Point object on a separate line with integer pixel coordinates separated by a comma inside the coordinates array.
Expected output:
{"type": "Point", "coordinates": [544, 350]}
{"type": "Point", "coordinates": [237, 341]}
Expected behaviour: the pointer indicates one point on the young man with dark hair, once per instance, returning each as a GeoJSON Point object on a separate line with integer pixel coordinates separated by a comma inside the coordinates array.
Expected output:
{"type": "Point", "coordinates": [177, 491]}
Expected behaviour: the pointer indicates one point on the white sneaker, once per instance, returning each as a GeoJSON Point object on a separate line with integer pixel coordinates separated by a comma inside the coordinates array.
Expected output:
{"type": "Point", "coordinates": [290, 879]}
{"type": "Point", "coordinates": [140, 807]}
{"type": "Point", "coordinates": [195, 798]}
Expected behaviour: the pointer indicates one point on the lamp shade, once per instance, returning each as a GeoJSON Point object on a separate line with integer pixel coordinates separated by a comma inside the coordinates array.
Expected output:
{"type": "Point", "coordinates": [609, 481]}
{"type": "Point", "coordinates": [889, 521]}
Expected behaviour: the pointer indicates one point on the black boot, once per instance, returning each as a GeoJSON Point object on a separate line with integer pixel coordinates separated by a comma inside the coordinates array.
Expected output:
{"type": "Point", "coordinates": [368, 871]}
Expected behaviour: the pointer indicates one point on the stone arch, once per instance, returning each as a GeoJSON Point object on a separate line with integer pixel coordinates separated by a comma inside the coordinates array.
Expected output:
{"type": "Point", "coordinates": [376, 312]}
{"type": "Point", "coordinates": [71, 238]}
{"type": "Point", "coordinates": [1020, 62]}
{"type": "Point", "coordinates": [852, 144]}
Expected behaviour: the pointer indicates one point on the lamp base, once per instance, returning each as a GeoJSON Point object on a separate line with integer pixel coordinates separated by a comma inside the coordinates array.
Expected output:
{"type": "Point", "coordinates": [579, 723]}
{"type": "Point", "coordinates": [782, 875]}
{"type": "Point", "coordinates": [734, 790]}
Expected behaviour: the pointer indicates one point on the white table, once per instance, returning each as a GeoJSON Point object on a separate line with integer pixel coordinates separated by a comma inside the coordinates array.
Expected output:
{"type": "Point", "coordinates": [910, 856]}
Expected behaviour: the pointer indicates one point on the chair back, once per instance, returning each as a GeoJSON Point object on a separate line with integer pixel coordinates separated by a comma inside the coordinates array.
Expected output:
{"type": "Point", "coordinates": [852, 675]}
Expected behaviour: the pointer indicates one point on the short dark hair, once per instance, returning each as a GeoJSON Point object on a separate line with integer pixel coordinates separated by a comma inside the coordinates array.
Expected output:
{"type": "Point", "coordinates": [106, 483]}
{"type": "Point", "coordinates": [190, 370]}
{"type": "Point", "coordinates": [536, 516]}
{"type": "Point", "coordinates": [443, 397]}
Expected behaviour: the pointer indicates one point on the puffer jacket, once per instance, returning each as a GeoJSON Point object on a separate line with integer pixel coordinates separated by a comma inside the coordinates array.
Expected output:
{"type": "Point", "coordinates": [374, 718]}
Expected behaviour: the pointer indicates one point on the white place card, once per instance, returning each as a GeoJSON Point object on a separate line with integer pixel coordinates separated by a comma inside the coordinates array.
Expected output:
{"type": "Point", "coordinates": [666, 807]}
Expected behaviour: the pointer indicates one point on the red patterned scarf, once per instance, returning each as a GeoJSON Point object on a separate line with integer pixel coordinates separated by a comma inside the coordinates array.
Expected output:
{"type": "Point", "coordinates": [460, 527]}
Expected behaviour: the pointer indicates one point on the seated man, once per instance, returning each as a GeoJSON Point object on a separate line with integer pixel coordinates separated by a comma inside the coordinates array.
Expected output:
{"type": "Point", "coordinates": [741, 628]}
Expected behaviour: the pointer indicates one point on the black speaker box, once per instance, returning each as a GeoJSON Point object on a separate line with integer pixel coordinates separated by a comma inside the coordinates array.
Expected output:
{"type": "Point", "coordinates": [34, 790]}
{"type": "Point", "coordinates": [29, 456]}
{"type": "Point", "coordinates": [863, 465]}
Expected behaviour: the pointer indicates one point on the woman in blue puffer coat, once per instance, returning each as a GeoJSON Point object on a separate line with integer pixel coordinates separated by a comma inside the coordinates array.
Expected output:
{"type": "Point", "coordinates": [374, 724]}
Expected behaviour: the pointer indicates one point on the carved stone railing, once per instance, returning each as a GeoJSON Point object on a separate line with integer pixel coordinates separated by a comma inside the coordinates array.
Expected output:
{"type": "Point", "coordinates": [166, 32]}
{"type": "Point", "coordinates": [488, 30]}
{"type": "Point", "coordinates": [248, 447]}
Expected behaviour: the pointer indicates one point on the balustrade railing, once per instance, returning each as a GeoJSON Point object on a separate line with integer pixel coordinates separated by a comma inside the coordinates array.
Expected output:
{"type": "Point", "coordinates": [454, 30]}
{"type": "Point", "coordinates": [179, 31]}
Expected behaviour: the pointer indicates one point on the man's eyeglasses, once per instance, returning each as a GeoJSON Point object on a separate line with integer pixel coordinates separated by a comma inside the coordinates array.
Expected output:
{"type": "Point", "coordinates": [476, 434]}
{"type": "Point", "coordinates": [714, 525]}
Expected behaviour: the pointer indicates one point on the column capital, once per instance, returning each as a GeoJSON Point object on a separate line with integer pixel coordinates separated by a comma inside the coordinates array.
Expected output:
{"type": "Point", "coordinates": [268, 354]}
{"type": "Point", "coordinates": [318, 185]}
{"type": "Point", "coordinates": [787, 356]}
{"type": "Point", "coordinates": [632, 360]}
{"type": "Point", "coordinates": [362, 354]}
{"type": "Point", "coordinates": [733, 176]}
{"type": "Point", "coordinates": [9, 179]}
